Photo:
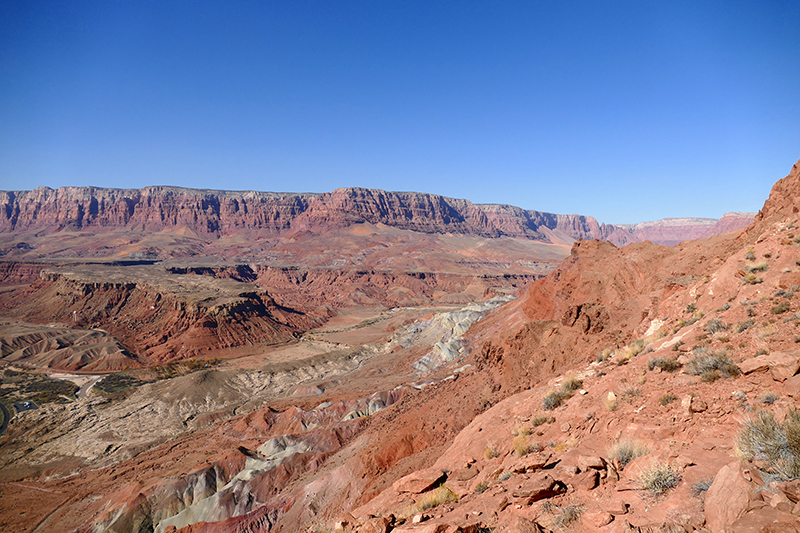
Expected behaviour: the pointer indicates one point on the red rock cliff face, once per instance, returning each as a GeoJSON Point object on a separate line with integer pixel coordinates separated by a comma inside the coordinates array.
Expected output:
{"type": "Point", "coordinates": [220, 213]}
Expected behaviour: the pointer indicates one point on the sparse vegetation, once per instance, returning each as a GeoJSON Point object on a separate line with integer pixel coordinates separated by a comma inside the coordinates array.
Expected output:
{"type": "Point", "coordinates": [658, 478]}
{"type": "Point", "coordinates": [667, 399]}
{"type": "Point", "coordinates": [627, 450]}
{"type": "Point", "coordinates": [711, 365]}
{"type": "Point", "coordinates": [744, 325]}
{"type": "Point", "coordinates": [667, 364]}
{"type": "Point", "coordinates": [762, 351]}
{"type": "Point", "coordinates": [751, 279]}
{"type": "Point", "coordinates": [554, 399]}
{"type": "Point", "coordinates": [758, 267]}
{"type": "Point", "coordinates": [482, 487]}
{"type": "Point", "coordinates": [701, 487]}
{"type": "Point", "coordinates": [117, 382]}
{"type": "Point", "coordinates": [568, 515]}
{"type": "Point", "coordinates": [490, 452]}
{"type": "Point", "coordinates": [715, 325]}
{"type": "Point", "coordinates": [35, 387]}
{"type": "Point", "coordinates": [542, 419]}
{"type": "Point", "coordinates": [750, 255]}
{"type": "Point", "coordinates": [435, 498]}
{"type": "Point", "coordinates": [781, 308]}
{"type": "Point", "coordinates": [762, 437]}
{"type": "Point", "coordinates": [522, 446]}
{"type": "Point", "coordinates": [769, 398]}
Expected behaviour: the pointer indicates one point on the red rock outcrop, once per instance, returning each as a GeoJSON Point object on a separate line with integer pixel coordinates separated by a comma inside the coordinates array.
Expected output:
{"type": "Point", "coordinates": [222, 213]}
{"type": "Point", "coordinates": [156, 315]}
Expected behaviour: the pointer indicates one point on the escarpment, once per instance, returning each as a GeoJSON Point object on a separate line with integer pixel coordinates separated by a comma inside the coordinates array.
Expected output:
{"type": "Point", "coordinates": [215, 214]}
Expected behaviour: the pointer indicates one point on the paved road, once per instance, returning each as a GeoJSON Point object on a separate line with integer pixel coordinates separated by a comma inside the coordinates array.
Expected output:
{"type": "Point", "coordinates": [6, 418]}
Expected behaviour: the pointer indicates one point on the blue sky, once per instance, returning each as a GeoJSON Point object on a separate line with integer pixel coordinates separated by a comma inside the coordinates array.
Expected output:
{"type": "Point", "coordinates": [626, 111]}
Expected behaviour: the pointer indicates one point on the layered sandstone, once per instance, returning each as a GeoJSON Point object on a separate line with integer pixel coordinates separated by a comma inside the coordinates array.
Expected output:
{"type": "Point", "coordinates": [215, 214]}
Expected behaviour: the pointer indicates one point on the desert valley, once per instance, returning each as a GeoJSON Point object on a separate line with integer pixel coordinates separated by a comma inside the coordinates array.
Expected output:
{"type": "Point", "coordinates": [185, 360]}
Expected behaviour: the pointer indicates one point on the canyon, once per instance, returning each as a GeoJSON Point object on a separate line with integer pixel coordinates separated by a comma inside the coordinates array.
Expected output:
{"type": "Point", "coordinates": [369, 361]}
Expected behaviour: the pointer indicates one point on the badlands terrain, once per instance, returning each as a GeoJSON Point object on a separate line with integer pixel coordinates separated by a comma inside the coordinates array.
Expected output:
{"type": "Point", "coordinates": [360, 360]}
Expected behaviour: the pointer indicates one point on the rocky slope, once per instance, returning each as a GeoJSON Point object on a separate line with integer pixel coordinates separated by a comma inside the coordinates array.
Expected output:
{"type": "Point", "coordinates": [215, 214]}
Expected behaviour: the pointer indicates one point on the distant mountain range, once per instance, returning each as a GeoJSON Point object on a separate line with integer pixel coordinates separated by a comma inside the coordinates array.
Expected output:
{"type": "Point", "coordinates": [217, 214]}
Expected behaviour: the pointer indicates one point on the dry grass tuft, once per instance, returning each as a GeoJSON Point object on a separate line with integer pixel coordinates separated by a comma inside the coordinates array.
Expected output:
{"type": "Point", "coordinates": [627, 450]}
{"type": "Point", "coordinates": [658, 478]}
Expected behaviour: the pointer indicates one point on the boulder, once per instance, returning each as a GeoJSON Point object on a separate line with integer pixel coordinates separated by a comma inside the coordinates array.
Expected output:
{"type": "Point", "coordinates": [780, 365]}
{"type": "Point", "coordinates": [420, 481]}
{"type": "Point", "coordinates": [379, 524]}
{"type": "Point", "coordinates": [538, 488]}
{"type": "Point", "coordinates": [728, 497]}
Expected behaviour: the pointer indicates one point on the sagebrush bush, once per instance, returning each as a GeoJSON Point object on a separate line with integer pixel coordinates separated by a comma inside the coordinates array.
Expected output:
{"type": "Point", "coordinates": [710, 365]}
{"type": "Point", "coordinates": [780, 308]}
{"type": "Point", "coordinates": [764, 438]}
{"type": "Point", "coordinates": [667, 399]}
{"type": "Point", "coordinates": [658, 478]}
{"type": "Point", "coordinates": [715, 325]}
{"type": "Point", "coordinates": [667, 364]}
{"type": "Point", "coordinates": [758, 267]}
{"type": "Point", "coordinates": [702, 486]}
{"type": "Point", "coordinates": [542, 419]}
{"type": "Point", "coordinates": [552, 400]}
{"type": "Point", "coordinates": [571, 384]}
{"type": "Point", "coordinates": [555, 398]}
{"type": "Point", "coordinates": [627, 450]}
{"type": "Point", "coordinates": [751, 279]}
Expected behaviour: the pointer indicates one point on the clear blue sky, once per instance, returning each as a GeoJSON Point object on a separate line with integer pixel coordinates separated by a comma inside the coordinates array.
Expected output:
{"type": "Point", "coordinates": [626, 111]}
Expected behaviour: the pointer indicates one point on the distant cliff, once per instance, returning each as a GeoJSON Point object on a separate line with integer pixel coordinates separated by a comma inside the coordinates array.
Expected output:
{"type": "Point", "coordinates": [221, 213]}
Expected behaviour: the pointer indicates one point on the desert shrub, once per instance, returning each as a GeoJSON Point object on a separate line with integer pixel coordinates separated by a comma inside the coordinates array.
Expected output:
{"type": "Point", "coordinates": [435, 498]}
{"type": "Point", "coordinates": [702, 486]}
{"type": "Point", "coordinates": [482, 487]}
{"type": "Point", "coordinates": [521, 430]}
{"type": "Point", "coordinates": [780, 308]}
{"type": "Point", "coordinates": [762, 437]}
{"type": "Point", "coordinates": [769, 398]}
{"type": "Point", "coordinates": [552, 400]}
{"type": "Point", "coordinates": [750, 256]}
{"type": "Point", "coordinates": [555, 398]}
{"type": "Point", "coordinates": [505, 475]}
{"type": "Point", "coordinates": [744, 325]}
{"type": "Point", "coordinates": [751, 279]}
{"type": "Point", "coordinates": [725, 307]}
{"type": "Point", "coordinates": [490, 452]}
{"type": "Point", "coordinates": [782, 293]}
{"type": "Point", "coordinates": [758, 267]}
{"type": "Point", "coordinates": [715, 325]}
{"type": "Point", "coordinates": [523, 447]}
{"type": "Point", "coordinates": [627, 450]}
{"type": "Point", "coordinates": [762, 351]}
{"type": "Point", "coordinates": [542, 419]}
{"type": "Point", "coordinates": [667, 399]}
{"type": "Point", "coordinates": [667, 364]}
{"type": "Point", "coordinates": [568, 515]}
{"type": "Point", "coordinates": [691, 308]}
{"type": "Point", "coordinates": [711, 365]}
{"type": "Point", "coordinates": [658, 478]}
{"type": "Point", "coordinates": [630, 394]}
{"type": "Point", "coordinates": [571, 384]}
